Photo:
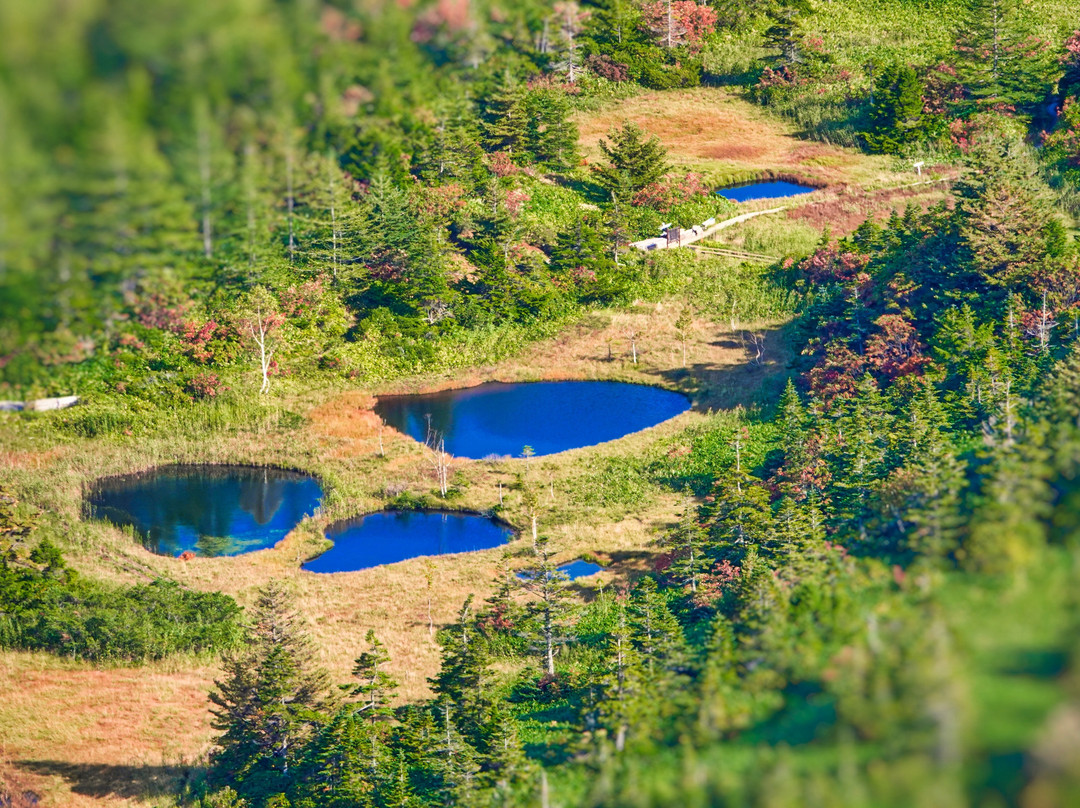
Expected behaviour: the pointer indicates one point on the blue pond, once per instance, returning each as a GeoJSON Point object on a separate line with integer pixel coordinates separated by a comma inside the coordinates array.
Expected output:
{"type": "Point", "coordinates": [501, 419]}
{"type": "Point", "coordinates": [209, 510]}
{"type": "Point", "coordinates": [573, 570]}
{"type": "Point", "coordinates": [774, 189]}
{"type": "Point", "coordinates": [389, 536]}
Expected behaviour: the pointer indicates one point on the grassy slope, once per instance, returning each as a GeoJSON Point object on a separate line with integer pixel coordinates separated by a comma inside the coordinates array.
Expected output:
{"type": "Point", "coordinates": [338, 438]}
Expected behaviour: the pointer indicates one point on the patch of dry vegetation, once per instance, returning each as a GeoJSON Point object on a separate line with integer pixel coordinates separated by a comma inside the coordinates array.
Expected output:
{"type": "Point", "coordinates": [90, 736]}
{"type": "Point", "coordinates": [729, 140]}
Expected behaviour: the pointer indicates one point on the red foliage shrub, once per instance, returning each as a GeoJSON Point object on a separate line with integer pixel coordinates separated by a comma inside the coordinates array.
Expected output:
{"type": "Point", "coordinates": [827, 264]}
{"type": "Point", "coordinates": [604, 66]}
{"type": "Point", "coordinates": [205, 385]}
{"type": "Point", "coordinates": [665, 194]}
{"type": "Point", "coordinates": [154, 311]}
{"type": "Point", "coordinates": [895, 349]}
{"type": "Point", "coordinates": [838, 374]}
{"type": "Point", "coordinates": [501, 165]}
{"type": "Point", "coordinates": [195, 339]}
{"type": "Point", "coordinates": [690, 22]}
{"type": "Point", "coordinates": [303, 300]}
{"type": "Point", "coordinates": [515, 201]}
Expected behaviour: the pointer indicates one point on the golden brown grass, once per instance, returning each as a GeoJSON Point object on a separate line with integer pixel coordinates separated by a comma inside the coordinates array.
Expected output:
{"type": "Point", "coordinates": [728, 139]}
{"type": "Point", "coordinates": [79, 736]}
{"type": "Point", "coordinates": [90, 736]}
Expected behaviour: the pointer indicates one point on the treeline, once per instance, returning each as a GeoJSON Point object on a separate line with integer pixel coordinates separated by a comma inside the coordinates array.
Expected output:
{"type": "Point", "coordinates": [399, 188]}
{"type": "Point", "coordinates": [47, 606]}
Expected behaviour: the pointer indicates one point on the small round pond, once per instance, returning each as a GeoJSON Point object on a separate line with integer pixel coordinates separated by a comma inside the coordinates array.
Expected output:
{"type": "Point", "coordinates": [498, 419]}
{"type": "Point", "coordinates": [389, 536]}
{"type": "Point", "coordinates": [208, 510]}
{"type": "Point", "coordinates": [772, 189]}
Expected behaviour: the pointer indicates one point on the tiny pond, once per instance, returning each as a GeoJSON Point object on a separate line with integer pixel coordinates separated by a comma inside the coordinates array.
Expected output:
{"type": "Point", "coordinates": [389, 536]}
{"type": "Point", "coordinates": [206, 509]}
{"type": "Point", "coordinates": [497, 419]}
{"type": "Point", "coordinates": [579, 568]}
{"type": "Point", "coordinates": [772, 189]}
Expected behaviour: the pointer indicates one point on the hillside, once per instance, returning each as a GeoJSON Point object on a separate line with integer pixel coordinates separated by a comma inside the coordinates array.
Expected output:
{"type": "Point", "coordinates": [838, 569]}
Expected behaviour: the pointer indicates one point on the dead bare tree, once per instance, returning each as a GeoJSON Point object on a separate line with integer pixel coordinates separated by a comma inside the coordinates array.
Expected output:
{"type": "Point", "coordinates": [439, 457]}
{"type": "Point", "coordinates": [632, 334]}
{"type": "Point", "coordinates": [754, 342]}
{"type": "Point", "coordinates": [260, 324]}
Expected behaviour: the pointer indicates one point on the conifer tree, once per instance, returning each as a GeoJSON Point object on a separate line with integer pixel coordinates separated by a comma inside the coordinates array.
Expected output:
{"type": "Point", "coordinates": [505, 121]}
{"type": "Point", "coordinates": [622, 704]}
{"type": "Point", "coordinates": [461, 679]}
{"type": "Point", "coordinates": [1001, 60]}
{"type": "Point", "coordinates": [376, 686]}
{"type": "Point", "coordinates": [634, 161]}
{"type": "Point", "coordinates": [550, 609]}
{"type": "Point", "coordinates": [504, 766]}
{"type": "Point", "coordinates": [1007, 225]}
{"type": "Point", "coordinates": [397, 791]}
{"type": "Point", "coordinates": [896, 110]}
{"type": "Point", "coordinates": [859, 466]}
{"type": "Point", "coordinates": [686, 543]}
{"type": "Point", "coordinates": [717, 681]}
{"type": "Point", "coordinates": [656, 633]}
{"type": "Point", "coordinates": [269, 700]}
{"type": "Point", "coordinates": [336, 766]}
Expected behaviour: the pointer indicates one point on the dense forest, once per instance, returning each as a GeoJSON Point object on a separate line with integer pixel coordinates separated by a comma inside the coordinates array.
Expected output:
{"type": "Point", "coordinates": [208, 210]}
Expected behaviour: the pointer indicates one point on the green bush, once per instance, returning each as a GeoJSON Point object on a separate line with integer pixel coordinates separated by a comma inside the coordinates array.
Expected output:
{"type": "Point", "coordinates": [45, 606]}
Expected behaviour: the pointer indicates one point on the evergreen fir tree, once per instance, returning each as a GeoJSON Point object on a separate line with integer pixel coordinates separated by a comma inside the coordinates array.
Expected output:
{"type": "Point", "coordinates": [896, 110]}
{"type": "Point", "coordinates": [1001, 59]}
{"type": "Point", "coordinates": [686, 543]}
{"type": "Point", "coordinates": [376, 686]}
{"type": "Point", "coordinates": [462, 678]}
{"type": "Point", "coordinates": [1007, 225]}
{"type": "Point", "coordinates": [655, 632]}
{"type": "Point", "coordinates": [269, 701]}
{"type": "Point", "coordinates": [550, 609]}
{"type": "Point", "coordinates": [634, 161]}
{"type": "Point", "coordinates": [505, 117]}
{"type": "Point", "coordinates": [622, 707]}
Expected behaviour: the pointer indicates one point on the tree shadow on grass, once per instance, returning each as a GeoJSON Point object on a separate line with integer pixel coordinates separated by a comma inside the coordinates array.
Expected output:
{"type": "Point", "coordinates": [757, 381]}
{"type": "Point", "coordinates": [129, 782]}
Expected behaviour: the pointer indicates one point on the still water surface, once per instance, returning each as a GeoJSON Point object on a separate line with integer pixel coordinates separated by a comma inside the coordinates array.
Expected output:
{"type": "Point", "coordinates": [389, 536]}
{"type": "Point", "coordinates": [774, 189]}
{"type": "Point", "coordinates": [210, 510]}
{"type": "Point", "coordinates": [501, 419]}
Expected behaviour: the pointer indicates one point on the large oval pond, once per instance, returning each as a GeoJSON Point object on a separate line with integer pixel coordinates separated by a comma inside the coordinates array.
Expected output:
{"type": "Point", "coordinates": [501, 419]}
{"type": "Point", "coordinates": [208, 510]}
{"type": "Point", "coordinates": [389, 536]}
{"type": "Point", "coordinates": [772, 189]}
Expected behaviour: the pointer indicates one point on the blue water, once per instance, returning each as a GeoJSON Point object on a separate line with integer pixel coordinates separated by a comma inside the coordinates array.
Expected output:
{"type": "Point", "coordinates": [210, 510]}
{"type": "Point", "coordinates": [774, 189]}
{"type": "Point", "coordinates": [501, 419]}
{"type": "Point", "coordinates": [580, 569]}
{"type": "Point", "coordinates": [389, 536]}
{"type": "Point", "coordinates": [573, 570]}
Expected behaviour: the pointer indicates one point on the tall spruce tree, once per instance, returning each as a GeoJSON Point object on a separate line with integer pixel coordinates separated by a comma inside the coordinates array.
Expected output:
{"type": "Point", "coordinates": [269, 701]}
{"type": "Point", "coordinates": [549, 610]}
{"type": "Point", "coordinates": [1001, 60]}
{"type": "Point", "coordinates": [896, 110]}
{"type": "Point", "coordinates": [635, 160]}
